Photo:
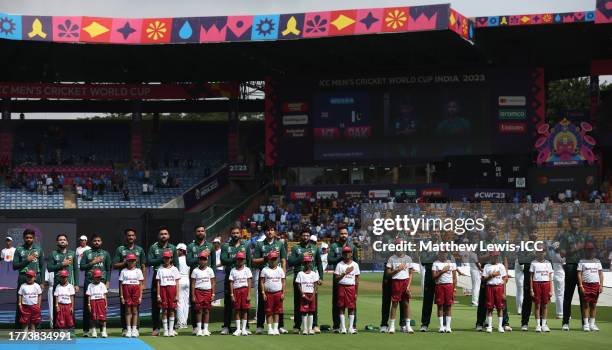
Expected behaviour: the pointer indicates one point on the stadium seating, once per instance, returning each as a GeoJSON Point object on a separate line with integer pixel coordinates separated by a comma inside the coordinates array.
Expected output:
{"type": "Point", "coordinates": [19, 199]}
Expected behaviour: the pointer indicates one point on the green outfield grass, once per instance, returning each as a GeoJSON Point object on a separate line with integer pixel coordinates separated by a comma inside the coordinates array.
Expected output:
{"type": "Point", "coordinates": [464, 336]}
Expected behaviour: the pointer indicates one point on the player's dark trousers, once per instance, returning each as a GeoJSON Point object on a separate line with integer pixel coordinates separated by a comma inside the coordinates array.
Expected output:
{"type": "Point", "coordinates": [154, 303]}
{"type": "Point", "coordinates": [86, 313]}
{"type": "Point", "coordinates": [428, 296]}
{"type": "Point", "coordinates": [386, 305]}
{"type": "Point", "coordinates": [261, 310]}
{"type": "Point", "coordinates": [571, 280]}
{"type": "Point", "coordinates": [227, 304]}
{"type": "Point", "coordinates": [527, 301]}
{"type": "Point", "coordinates": [297, 315]}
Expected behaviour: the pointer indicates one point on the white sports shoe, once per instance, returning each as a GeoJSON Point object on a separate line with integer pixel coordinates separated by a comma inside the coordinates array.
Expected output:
{"type": "Point", "coordinates": [94, 333]}
{"type": "Point", "coordinates": [237, 333]}
{"type": "Point", "coordinates": [545, 328]}
{"type": "Point", "coordinates": [565, 327]}
{"type": "Point", "coordinates": [594, 328]}
{"type": "Point", "coordinates": [304, 332]}
{"type": "Point", "coordinates": [224, 331]}
{"type": "Point", "coordinates": [311, 332]}
{"type": "Point", "coordinates": [127, 333]}
{"type": "Point", "coordinates": [283, 330]}
{"type": "Point", "coordinates": [135, 333]}
{"type": "Point", "coordinates": [508, 328]}
{"type": "Point", "coordinates": [173, 333]}
{"type": "Point", "coordinates": [206, 333]}
{"type": "Point", "coordinates": [271, 332]}
{"type": "Point", "coordinates": [501, 330]}
{"type": "Point", "coordinates": [384, 329]}
{"type": "Point", "coordinates": [245, 333]}
{"type": "Point", "coordinates": [586, 328]}
{"type": "Point", "coordinates": [442, 330]}
{"type": "Point", "coordinates": [409, 329]}
{"type": "Point", "coordinates": [259, 330]}
{"type": "Point", "coordinates": [391, 330]}
{"type": "Point", "coordinates": [353, 331]}
{"type": "Point", "coordinates": [538, 328]}
{"type": "Point", "coordinates": [199, 333]}
{"type": "Point", "coordinates": [448, 330]}
{"type": "Point", "coordinates": [343, 331]}
{"type": "Point", "coordinates": [524, 328]}
{"type": "Point", "coordinates": [478, 328]}
{"type": "Point", "coordinates": [423, 329]}
{"type": "Point", "coordinates": [194, 331]}
{"type": "Point", "coordinates": [104, 335]}
{"type": "Point", "coordinates": [489, 329]}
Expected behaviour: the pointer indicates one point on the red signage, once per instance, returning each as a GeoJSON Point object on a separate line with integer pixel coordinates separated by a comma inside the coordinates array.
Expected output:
{"type": "Point", "coordinates": [512, 127]}
{"type": "Point", "coordinates": [432, 192]}
{"type": "Point", "coordinates": [358, 132]}
{"type": "Point", "coordinates": [292, 107]}
{"type": "Point", "coordinates": [300, 195]}
{"type": "Point", "coordinates": [72, 91]}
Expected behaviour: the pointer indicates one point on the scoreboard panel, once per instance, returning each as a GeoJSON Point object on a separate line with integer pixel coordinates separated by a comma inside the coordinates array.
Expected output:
{"type": "Point", "coordinates": [488, 171]}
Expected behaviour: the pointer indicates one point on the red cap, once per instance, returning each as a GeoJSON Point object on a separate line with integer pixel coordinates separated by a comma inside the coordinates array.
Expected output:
{"type": "Point", "coordinates": [494, 253]}
{"type": "Point", "coordinates": [130, 257]}
{"type": "Point", "coordinates": [63, 273]}
{"type": "Point", "coordinates": [96, 273]}
{"type": "Point", "coordinates": [589, 245]}
{"type": "Point", "coordinates": [203, 254]}
{"type": "Point", "coordinates": [240, 255]}
{"type": "Point", "coordinates": [273, 254]}
{"type": "Point", "coordinates": [167, 254]}
{"type": "Point", "coordinates": [346, 249]}
{"type": "Point", "coordinates": [31, 273]}
{"type": "Point", "coordinates": [307, 258]}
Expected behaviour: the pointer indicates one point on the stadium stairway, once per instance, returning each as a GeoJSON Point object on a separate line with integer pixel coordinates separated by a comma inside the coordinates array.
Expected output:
{"type": "Point", "coordinates": [69, 200]}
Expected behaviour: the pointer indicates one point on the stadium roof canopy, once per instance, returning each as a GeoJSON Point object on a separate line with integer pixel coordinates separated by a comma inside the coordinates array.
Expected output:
{"type": "Point", "coordinates": [74, 44]}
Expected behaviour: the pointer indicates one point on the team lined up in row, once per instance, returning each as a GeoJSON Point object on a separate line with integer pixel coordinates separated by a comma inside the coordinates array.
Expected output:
{"type": "Point", "coordinates": [270, 259]}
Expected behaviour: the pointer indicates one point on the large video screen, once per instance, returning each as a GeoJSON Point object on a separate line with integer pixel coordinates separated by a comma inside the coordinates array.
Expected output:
{"type": "Point", "coordinates": [426, 116]}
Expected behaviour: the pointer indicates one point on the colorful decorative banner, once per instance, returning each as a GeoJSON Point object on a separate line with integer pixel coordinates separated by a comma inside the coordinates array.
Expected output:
{"type": "Point", "coordinates": [536, 19]}
{"type": "Point", "coordinates": [603, 11]}
{"type": "Point", "coordinates": [224, 28]}
{"type": "Point", "coordinates": [117, 91]}
{"type": "Point", "coordinates": [565, 144]}
{"type": "Point", "coordinates": [461, 25]}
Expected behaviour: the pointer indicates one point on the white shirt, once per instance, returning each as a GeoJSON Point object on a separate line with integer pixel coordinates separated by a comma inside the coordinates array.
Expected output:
{"type": "Point", "coordinates": [63, 293]}
{"type": "Point", "coordinates": [273, 279]}
{"type": "Point", "coordinates": [7, 254]}
{"type": "Point", "coordinates": [80, 251]}
{"type": "Point", "coordinates": [489, 269]}
{"type": "Point", "coordinates": [131, 277]}
{"type": "Point", "coordinates": [348, 279]}
{"type": "Point", "coordinates": [240, 277]}
{"type": "Point", "coordinates": [541, 270]}
{"type": "Point", "coordinates": [395, 261]}
{"type": "Point", "coordinates": [30, 293]}
{"type": "Point", "coordinates": [307, 281]}
{"type": "Point", "coordinates": [590, 270]}
{"type": "Point", "coordinates": [203, 277]}
{"type": "Point", "coordinates": [446, 277]}
{"type": "Point", "coordinates": [168, 276]}
{"type": "Point", "coordinates": [218, 259]}
{"type": "Point", "coordinates": [183, 269]}
{"type": "Point", "coordinates": [96, 291]}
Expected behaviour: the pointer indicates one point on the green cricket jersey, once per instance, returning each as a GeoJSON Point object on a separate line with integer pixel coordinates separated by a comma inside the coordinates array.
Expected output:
{"type": "Point", "coordinates": [124, 250]}
{"type": "Point", "coordinates": [567, 241]}
{"type": "Point", "coordinates": [154, 258]}
{"type": "Point", "coordinates": [228, 255]}
{"type": "Point", "coordinates": [193, 254]}
{"type": "Point", "coordinates": [105, 265]}
{"type": "Point", "coordinates": [296, 258]}
{"type": "Point", "coordinates": [263, 248]}
{"type": "Point", "coordinates": [21, 263]}
{"type": "Point", "coordinates": [55, 264]}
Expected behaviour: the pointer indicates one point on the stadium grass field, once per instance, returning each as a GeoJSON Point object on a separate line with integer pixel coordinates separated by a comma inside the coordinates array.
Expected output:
{"type": "Point", "coordinates": [464, 336]}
